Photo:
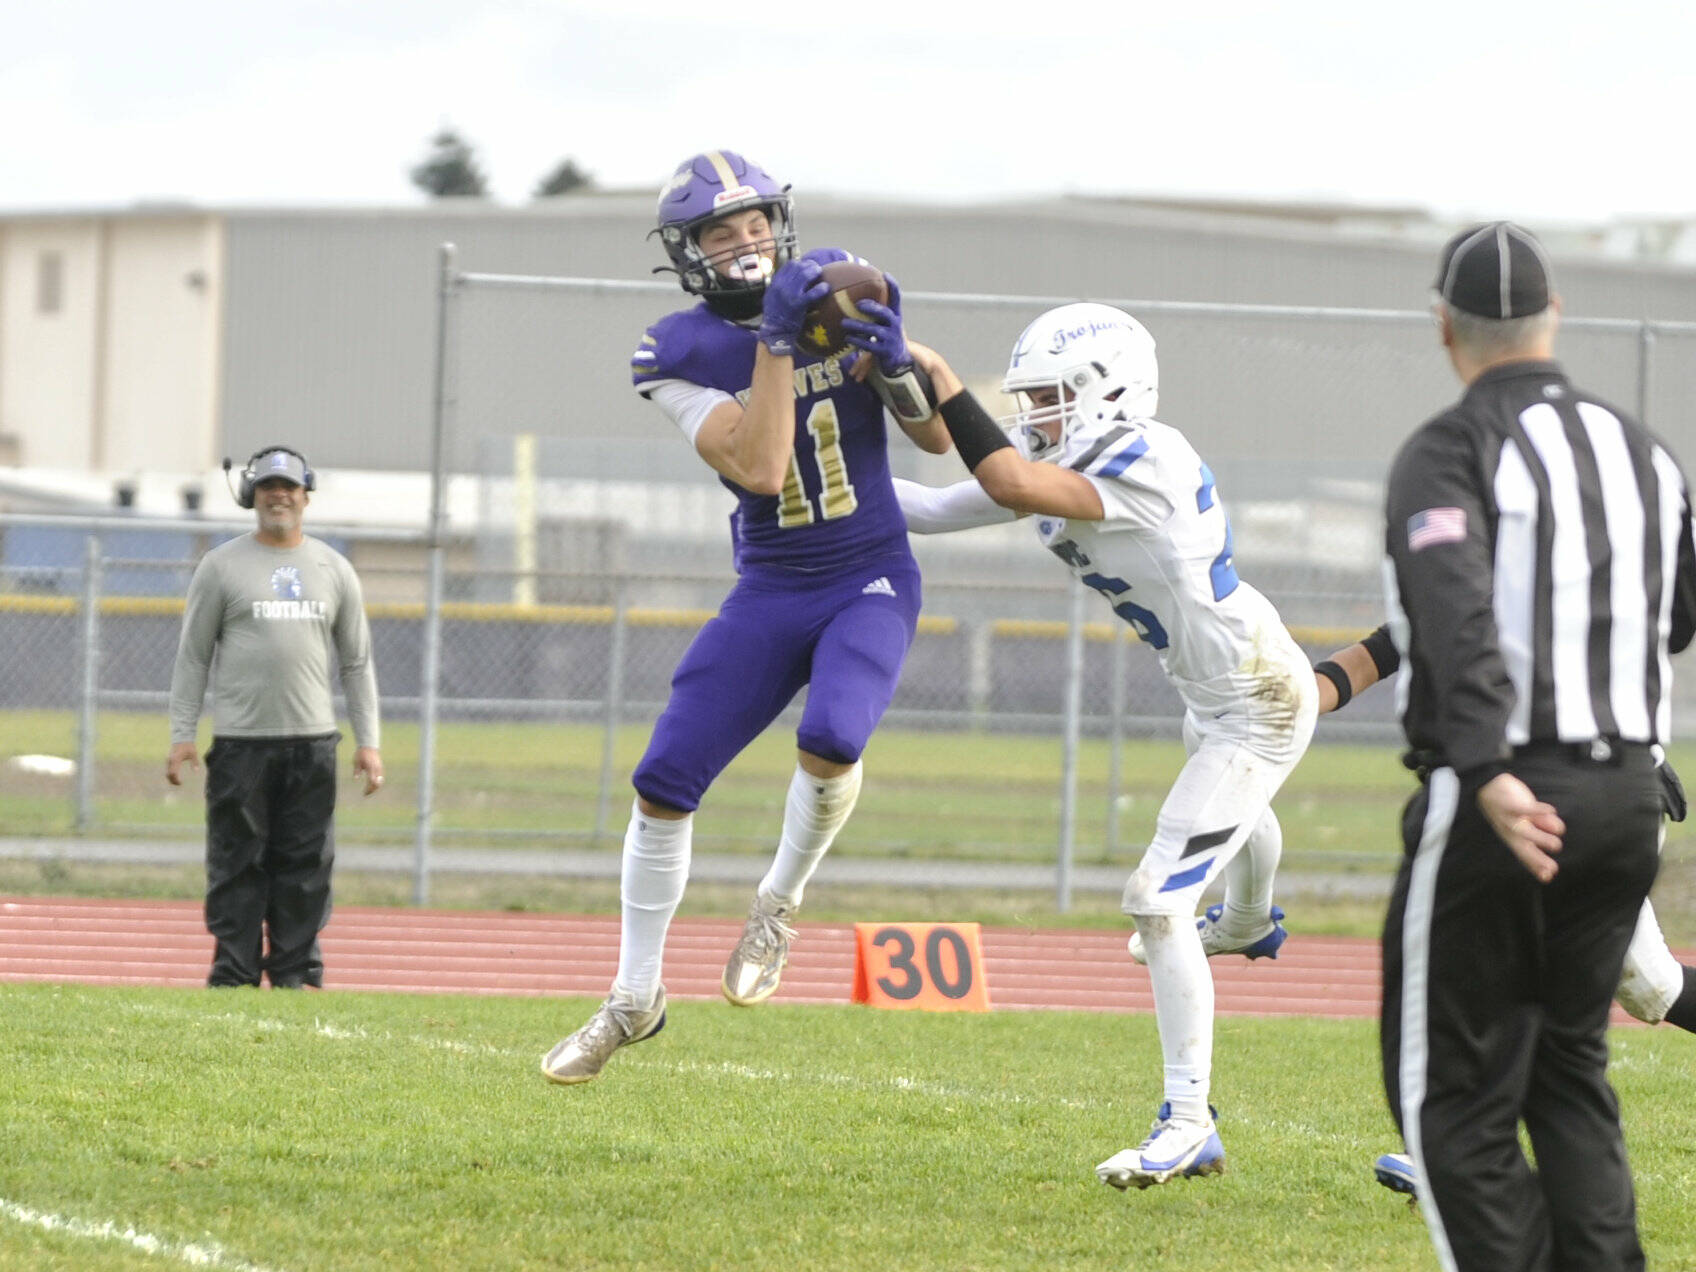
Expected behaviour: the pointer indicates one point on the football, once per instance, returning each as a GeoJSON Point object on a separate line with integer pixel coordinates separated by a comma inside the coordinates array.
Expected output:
{"type": "Point", "coordinates": [850, 283]}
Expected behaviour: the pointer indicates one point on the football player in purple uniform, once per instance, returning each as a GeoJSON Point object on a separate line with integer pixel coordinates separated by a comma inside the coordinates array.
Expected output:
{"type": "Point", "coordinates": [827, 594]}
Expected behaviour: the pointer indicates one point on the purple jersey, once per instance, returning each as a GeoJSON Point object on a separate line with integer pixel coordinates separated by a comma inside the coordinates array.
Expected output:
{"type": "Point", "coordinates": [837, 506]}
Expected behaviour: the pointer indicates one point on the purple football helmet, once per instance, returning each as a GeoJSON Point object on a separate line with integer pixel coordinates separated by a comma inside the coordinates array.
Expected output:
{"type": "Point", "coordinates": [705, 187]}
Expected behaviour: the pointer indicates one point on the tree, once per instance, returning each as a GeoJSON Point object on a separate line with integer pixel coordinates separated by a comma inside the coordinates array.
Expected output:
{"type": "Point", "coordinates": [566, 178]}
{"type": "Point", "coordinates": [450, 169]}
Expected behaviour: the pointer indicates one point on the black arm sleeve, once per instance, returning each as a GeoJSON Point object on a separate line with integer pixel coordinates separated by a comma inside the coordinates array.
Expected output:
{"type": "Point", "coordinates": [976, 434]}
{"type": "Point", "coordinates": [1383, 651]}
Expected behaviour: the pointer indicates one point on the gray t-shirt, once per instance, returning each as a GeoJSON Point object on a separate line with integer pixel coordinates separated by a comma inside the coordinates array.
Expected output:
{"type": "Point", "coordinates": [280, 621]}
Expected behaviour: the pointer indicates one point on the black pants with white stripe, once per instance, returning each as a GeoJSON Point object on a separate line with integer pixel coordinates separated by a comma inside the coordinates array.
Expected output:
{"type": "Point", "coordinates": [1496, 997]}
{"type": "Point", "coordinates": [269, 851]}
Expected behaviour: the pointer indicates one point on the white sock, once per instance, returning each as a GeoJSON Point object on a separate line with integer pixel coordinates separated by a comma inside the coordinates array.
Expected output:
{"type": "Point", "coordinates": [1249, 877]}
{"type": "Point", "coordinates": [1183, 1008]}
{"type": "Point", "coordinates": [655, 872]}
{"type": "Point", "coordinates": [815, 811]}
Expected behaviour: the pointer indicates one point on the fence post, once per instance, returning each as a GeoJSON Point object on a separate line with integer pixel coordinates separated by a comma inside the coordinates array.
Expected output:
{"type": "Point", "coordinates": [89, 707]}
{"type": "Point", "coordinates": [524, 520]}
{"type": "Point", "coordinates": [615, 706]}
{"type": "Point", "coordinates": [1645, 369]}
{"type": "Point", "coordinates": [980, 679]}
{"type": "Point", "coordinates": [1069, 748]}
{"type": "Point", "coordinates": [429, 671]}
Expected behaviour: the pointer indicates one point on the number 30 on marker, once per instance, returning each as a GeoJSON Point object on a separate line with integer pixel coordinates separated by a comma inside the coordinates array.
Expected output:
{"type": "Point", "coordinates": [919, 966]}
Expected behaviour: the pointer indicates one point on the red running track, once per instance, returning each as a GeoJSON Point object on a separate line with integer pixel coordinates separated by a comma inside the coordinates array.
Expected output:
{"type": "Point", "coordinates": [471, 952]}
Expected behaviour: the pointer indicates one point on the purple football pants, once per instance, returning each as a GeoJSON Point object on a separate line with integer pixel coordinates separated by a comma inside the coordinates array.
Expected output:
{"type": "Point", "coordinates": [845, 636]}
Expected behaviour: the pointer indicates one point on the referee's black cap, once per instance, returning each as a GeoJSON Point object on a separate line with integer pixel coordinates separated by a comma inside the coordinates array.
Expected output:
{"type": "Point", "coordinates": [1497, 270]}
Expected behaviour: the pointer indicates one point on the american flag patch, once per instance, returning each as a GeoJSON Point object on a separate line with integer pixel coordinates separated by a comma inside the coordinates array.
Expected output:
{"type": "Point", "coordinates": [1435, 525]}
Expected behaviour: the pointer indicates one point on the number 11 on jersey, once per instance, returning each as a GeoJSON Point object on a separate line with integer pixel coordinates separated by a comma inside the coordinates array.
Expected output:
{"type": "Point", "coordinates": [836, 492]}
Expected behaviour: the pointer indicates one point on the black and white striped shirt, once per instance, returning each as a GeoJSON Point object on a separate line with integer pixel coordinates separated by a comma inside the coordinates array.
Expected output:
{"type": "Point", "coordinates": [1540, 569]}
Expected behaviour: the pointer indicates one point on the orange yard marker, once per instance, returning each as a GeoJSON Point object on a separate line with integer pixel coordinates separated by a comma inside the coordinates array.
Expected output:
{"type": "Point", "coordinates": [920, 966]}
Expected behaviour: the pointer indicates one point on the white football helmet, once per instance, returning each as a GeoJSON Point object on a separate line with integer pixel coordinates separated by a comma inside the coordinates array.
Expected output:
{"type": "Point", "coordinates": [1099, 361]}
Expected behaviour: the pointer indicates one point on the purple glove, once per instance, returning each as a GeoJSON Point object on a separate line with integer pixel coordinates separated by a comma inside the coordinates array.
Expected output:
{"type": "Point", "coordinates": [882, 337]}
{"type": "Point", "coordinates": [795, 286]}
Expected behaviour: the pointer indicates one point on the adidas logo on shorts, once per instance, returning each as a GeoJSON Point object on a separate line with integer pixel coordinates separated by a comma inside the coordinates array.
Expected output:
{"type": "Point", "coordinates": [878, 587]}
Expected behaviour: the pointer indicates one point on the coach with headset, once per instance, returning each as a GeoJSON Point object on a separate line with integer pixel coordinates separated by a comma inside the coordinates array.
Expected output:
{"type": "Point", "coordinates": [1540, 571]}
{"type": "Point", "coordinates": [284, 615]}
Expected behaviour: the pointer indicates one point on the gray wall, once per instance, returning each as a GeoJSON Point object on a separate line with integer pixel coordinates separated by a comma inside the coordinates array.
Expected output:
{"type": "Point", "coordinates": [331, 317]}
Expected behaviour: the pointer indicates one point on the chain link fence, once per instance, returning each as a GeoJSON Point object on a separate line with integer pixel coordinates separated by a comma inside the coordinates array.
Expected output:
{"type": "Point", "coordinates": [524, 651]}
{"type": "Point", "coordinates": [542, 708]}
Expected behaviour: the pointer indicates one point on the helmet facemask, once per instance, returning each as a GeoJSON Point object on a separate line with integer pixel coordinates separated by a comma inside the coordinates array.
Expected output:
{"type": "Point", "coordinates": [1030, 427]}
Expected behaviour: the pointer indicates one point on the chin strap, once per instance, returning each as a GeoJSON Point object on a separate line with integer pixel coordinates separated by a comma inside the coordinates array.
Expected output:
{"type": "Point", "coordinates": [742, 307]}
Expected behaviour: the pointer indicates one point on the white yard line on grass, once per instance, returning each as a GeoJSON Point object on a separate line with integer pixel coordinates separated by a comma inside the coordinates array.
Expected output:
{"type": "Point", "coordinates": [196, 1254]}
{"type": "Point", "coordinates": [897, 1083]}
{"type": "Point", "coordinates": [722, 1069]}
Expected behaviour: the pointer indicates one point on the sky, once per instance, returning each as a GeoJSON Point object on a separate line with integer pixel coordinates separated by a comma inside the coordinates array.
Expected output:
{"type": "Point", "coordinates": [1557, 113]}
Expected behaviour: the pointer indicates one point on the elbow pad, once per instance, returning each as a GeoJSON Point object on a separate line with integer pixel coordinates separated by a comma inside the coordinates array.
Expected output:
{"type": "Point", "coordinates": [909, 396]}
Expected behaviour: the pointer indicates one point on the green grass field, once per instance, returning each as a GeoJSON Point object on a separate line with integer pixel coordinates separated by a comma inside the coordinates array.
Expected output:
{"type": "Point", "coordinates": [942, 794]}
{"type": "Point", "coordinates": [155, 1128]}
{"type": "Point", "coordinates": [274, 1132]}
{"type": "Point", "coordinates": [938, 794]}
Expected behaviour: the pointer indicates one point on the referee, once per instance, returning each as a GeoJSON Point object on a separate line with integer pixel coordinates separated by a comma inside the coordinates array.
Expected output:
{"type": "Point", "coordinates": [1540, 569]}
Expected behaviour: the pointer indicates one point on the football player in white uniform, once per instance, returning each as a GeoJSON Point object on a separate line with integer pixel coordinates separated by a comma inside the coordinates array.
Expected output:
{"type": "Point", "coordinates": [1126, 502]}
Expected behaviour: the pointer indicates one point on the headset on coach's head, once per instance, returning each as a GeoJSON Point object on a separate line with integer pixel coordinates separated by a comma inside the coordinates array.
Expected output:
{"type": "Point", "coordinates": [251, 479]}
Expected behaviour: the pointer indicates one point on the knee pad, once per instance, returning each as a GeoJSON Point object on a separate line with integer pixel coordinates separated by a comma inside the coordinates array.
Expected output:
{"type": "Point", "coordinates": [829, 741]}
{"type": "Point", "coordinates": [1143, 897]}
{"type": "Point", "coordinates": [1643, 998]}
{"type": "Point", "coordinates": [664, 784]}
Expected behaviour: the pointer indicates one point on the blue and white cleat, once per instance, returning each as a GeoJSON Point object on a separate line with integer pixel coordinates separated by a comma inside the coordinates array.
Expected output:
{"type": "Point", "coordinates": [1215, 940]}
{"type": "Point", "coordinates": [1396, 1172]}
{"type": "Point", "coordinates": [1173, 1150]}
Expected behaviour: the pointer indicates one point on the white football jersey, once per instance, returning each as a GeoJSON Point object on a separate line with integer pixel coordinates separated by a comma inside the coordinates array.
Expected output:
{"type": "Point", "coordinates": [1163, 559]}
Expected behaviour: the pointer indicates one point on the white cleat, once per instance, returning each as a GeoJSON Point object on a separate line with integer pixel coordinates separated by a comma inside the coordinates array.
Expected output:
{"type": "Point", "coordinates": [1173, 1150]}
{"type": "Point", "coordinates": [1397, 1172]}
{"type": "Point", "coordinates": [1262, 943]}
{"type": "Point", "coordinates": [614, 1024]}
{"type": "Point", "coordinates": [756, 964]}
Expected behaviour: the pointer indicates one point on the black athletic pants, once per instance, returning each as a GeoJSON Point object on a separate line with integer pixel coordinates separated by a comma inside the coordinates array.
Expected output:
{"type": "Point", "coordinates": [1497, 991]}
{"type": "Point", "coordinates": [269, 849]}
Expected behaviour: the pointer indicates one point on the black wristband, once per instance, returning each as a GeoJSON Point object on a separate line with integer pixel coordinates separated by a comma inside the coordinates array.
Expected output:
{"type": "Point", "coordinates": [1383, 650]}
{"type": "Point", "coordinates": [976, 434]}
{"type": "Point", "coordinates": [1337, 676]}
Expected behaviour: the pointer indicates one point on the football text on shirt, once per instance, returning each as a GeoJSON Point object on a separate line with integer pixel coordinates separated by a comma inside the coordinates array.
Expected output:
{"type": "Point", "coordinates": [307, 611]}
